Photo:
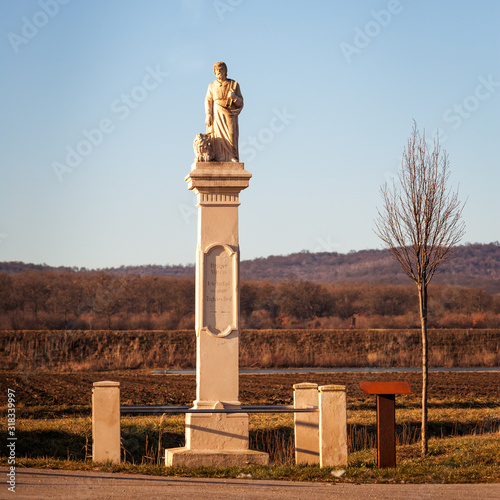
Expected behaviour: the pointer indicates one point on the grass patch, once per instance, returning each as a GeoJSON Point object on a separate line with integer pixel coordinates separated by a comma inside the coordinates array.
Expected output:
{"type": "Point", "coordinates": [465, 459]}
{"type": "Point", "coordinates": [145, 438]}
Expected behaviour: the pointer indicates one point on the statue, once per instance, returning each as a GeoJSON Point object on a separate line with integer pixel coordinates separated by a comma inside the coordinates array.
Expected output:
{"type": "Point", "coordinates": [223, 104]}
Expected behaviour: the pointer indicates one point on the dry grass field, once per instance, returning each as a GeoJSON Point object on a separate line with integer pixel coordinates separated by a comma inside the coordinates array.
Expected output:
{"type": "Point", "coordinates": [119, 350]}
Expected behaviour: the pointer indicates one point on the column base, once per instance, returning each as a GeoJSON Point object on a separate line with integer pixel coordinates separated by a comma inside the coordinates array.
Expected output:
{"type": "Point", "coordinates": [183, 457]}
{"type": "Point", "coordinates": [216, 431]}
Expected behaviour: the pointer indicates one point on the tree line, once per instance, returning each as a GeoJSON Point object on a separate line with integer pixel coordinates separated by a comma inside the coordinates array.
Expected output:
{"type": "Point", "coordinates": [473, 265]}
{"type": "Point", "coordinates": [94, 301]}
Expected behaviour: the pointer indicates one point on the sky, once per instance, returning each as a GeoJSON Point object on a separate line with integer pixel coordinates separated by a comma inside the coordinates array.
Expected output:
{"type": "Point", "coordinates": [101, 100]}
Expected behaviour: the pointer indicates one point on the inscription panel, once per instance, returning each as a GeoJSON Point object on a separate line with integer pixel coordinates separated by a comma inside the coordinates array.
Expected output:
{"type": "Point", "coordinates": [219, 291]}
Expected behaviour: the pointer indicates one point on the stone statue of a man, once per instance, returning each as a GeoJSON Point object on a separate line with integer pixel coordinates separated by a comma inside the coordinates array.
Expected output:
{"type": "Point", "coordinates": [223, 104]}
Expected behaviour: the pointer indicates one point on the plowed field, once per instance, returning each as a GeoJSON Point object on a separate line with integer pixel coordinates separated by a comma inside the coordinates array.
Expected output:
{"type": "Point", "coordinates": [71, 390]}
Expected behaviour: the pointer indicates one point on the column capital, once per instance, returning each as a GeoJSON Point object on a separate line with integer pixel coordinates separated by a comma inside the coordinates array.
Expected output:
{"type": "Point", "coordinates": [212, 177]}
{"type": "Point", "coordinates": [331, 388]}
{"type": "Point", "coordinates": [305, 386]}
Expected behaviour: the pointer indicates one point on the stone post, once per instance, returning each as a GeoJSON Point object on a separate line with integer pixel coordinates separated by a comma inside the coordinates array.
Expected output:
{"type": "Point", "coordinates": [217, 439]}
{"type": "Point", "coordinates": [106, 422]}
{"type": "Point", "coordinates": [306, 424]}
{"type": "Point", "coordinates": [332, 425]}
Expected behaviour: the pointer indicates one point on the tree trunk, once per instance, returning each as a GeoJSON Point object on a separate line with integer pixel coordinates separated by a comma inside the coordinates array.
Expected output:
{"type": "Point", "coordinates": [422, 299]}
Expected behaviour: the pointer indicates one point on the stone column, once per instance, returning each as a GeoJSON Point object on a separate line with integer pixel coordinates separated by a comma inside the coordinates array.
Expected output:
{"type": "Point", "coordinates": [106, 422]}
{"type": "Point", "coordinates": [306, 424]}
{"type": "Point", "coordinates": [332, 425]}
{"type": "Point", "coordinates": [217, 439]}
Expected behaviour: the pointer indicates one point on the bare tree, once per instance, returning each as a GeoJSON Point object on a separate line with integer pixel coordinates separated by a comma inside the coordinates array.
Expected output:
{"type": "Point", "coordinates": [421, 222]}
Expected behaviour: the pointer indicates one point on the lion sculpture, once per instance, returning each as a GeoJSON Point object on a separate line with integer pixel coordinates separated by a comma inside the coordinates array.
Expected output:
{"type": "Point", "coordinates": [202, 148]}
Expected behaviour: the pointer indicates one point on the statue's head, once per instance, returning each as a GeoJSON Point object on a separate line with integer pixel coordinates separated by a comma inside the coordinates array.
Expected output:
{"type": "Point", "coordinates": [220, 70]}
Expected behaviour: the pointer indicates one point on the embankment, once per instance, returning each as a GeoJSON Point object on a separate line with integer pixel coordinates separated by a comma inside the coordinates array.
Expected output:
{"type": "Point", "coordinates": [118, 350]}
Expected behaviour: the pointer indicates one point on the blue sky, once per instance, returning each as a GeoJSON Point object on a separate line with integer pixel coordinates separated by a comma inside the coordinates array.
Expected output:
{"type": "Point", "coordinates": [342, 79]}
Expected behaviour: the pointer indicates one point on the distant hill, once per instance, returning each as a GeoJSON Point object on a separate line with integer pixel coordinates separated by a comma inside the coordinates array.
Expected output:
{"type": "Point", "coordinates": [473, 265]}
{"type": "Point", "coordinates": [145, 270]}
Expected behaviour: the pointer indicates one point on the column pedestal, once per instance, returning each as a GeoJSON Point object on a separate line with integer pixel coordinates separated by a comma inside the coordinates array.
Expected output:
{"type": "Point", "coordinates": [217, 439]}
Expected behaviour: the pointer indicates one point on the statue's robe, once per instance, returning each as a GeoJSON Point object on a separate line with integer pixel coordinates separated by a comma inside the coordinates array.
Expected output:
{"type": "Point", "coordinates": [224, 113]}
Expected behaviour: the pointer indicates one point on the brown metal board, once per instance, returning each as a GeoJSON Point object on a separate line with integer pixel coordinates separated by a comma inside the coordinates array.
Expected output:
{"type": "Point", "coordinates": [385, 387]}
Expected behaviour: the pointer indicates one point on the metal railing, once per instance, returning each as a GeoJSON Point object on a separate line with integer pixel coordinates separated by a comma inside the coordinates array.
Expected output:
{"type": "Point", "coordinates": [242, 409]}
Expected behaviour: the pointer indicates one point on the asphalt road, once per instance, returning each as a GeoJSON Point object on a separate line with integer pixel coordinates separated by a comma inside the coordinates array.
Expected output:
{"type": "Point", "coordinates": [77, 485]}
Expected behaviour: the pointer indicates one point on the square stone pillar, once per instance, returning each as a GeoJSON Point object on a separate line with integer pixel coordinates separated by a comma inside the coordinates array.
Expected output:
{"type": "Point", "coordinates": [217, 439]}
{"type": "Point", "coordinates": [106, 422]}
{"type": "Point", "coordinates": [332, 425]}
{"type": "Point", "coordinates": [306, 424]}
